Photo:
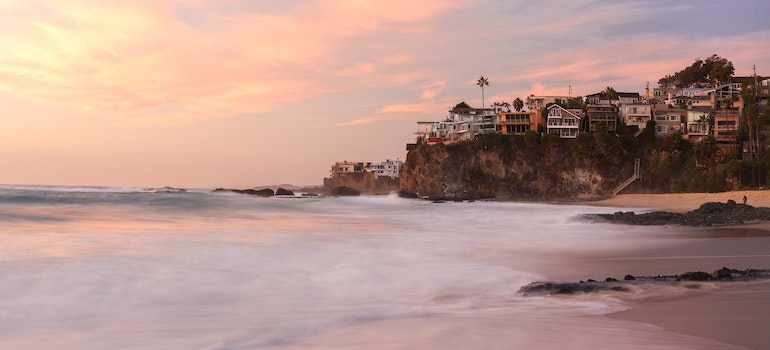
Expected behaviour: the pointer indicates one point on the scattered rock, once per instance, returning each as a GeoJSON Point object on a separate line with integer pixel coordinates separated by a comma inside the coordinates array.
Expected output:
{"type": "Point", "coordinates": [709, 214]}
{"type": "Point", "coordinates": [310, 194]}
{"type": "Point", "coordinates": [611, 284]}
{"type": "Point", "coordinates": [406, 194]}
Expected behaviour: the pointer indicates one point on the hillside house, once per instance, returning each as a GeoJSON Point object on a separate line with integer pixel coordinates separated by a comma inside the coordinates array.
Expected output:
{"type": "Point", "coordinates": [518, 123]}
{"type": "Point", "coordinates": [668, 120]}
{"type": "Point", "coordinates": [698, 123]}
{"type": "Point", "coordinates": [727, 123]}
{"type": "Point", "coordinates": [565, 122]}
{"type": "Point", "coordinates": [602, 115]}
{"type": "Point", "coordinates": [636, 114]}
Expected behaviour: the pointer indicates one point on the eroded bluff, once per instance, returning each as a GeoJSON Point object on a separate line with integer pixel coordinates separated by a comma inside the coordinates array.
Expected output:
{"type": "Point", "coordinates": [504, 167]}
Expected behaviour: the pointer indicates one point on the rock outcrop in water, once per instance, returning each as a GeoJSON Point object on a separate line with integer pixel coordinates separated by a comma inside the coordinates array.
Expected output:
{"type": "Point", "coordinates": [283, 192]}
{"type": "Point", "coordinates": [709, 214]}
{"type": "Point", "coordinates": [613, 285]}
{"type": "Point", "coordinates": [266, 192]}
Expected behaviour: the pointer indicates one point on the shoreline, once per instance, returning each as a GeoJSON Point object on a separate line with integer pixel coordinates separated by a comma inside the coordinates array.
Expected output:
{"type": "Point", "coordinates": [736, 314]}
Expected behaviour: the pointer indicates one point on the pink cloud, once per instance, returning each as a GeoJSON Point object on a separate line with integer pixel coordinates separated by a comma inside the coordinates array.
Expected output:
{"type": "Point", "coordinates": [138, 56]}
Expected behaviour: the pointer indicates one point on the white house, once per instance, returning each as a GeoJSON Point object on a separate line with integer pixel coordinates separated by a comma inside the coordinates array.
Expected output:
{"type": "Point", "coordinates": [563, 121]}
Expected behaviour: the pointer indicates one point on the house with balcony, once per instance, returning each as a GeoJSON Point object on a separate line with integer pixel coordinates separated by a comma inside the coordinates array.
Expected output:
{"type": "Point", "coordinates": [389, 168]}
{"type": "Point", "coordinates": [698, 123]}
{"type": "Point", "coordinates": [727, 125]}
{"type": "Point", "coordinates": [605, 114]}
{"type": "Point", "coordinates": [518, 123]}
{"type": "Point", "coordinates": [636, 114]}
{"type": "Point", "coordinates": [345, 167]}
{"type": "Point", "coordinates": [565, 122]}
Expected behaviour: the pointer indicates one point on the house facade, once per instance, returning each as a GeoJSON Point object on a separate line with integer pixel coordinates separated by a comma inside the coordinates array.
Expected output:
{"type": "Point", "coordinates": [636, 114]}
{"type": "Point", "coordinates": [518, 123]}
{"type": "Point", "coordinates": [565, 122]}
{"type": "Point", "coordinates": [668, 120]}
{"type": "Point", "coordinates": [727, 124]}
{"type": "Point", "coordinates": [389, 168]}
{"type": "Point", "coordinates": [602, 115]}
{"type": "Point", "coordinates": [698, 123]}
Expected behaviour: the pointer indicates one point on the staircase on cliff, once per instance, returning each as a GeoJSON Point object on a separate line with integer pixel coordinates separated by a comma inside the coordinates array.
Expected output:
{"type": "Point", "coordinates": [637, 176]}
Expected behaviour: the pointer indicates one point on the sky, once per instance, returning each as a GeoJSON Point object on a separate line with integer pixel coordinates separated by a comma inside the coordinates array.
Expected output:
{"type": "Point", "coordinates": [204, 93]}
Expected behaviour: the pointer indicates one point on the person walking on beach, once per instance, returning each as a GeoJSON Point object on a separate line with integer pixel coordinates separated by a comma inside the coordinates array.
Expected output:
{"type": "Point", "coordinates": [744, 199]}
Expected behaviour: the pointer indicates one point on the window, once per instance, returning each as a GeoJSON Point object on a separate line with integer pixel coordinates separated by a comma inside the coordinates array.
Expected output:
{"type": "Point", "coordinates": [661, 129]}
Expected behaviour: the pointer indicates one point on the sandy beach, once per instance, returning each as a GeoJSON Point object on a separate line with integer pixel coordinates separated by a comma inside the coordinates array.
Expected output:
{"type": "Point", "coordinates": [735, 314]}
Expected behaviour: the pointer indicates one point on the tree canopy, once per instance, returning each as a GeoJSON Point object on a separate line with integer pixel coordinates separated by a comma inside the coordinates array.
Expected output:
{"type": "Point", "coordinates": [710, 72]}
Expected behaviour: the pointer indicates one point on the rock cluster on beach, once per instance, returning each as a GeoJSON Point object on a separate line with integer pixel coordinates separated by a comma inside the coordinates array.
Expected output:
{"type": "Point", "coordinates": [709, 214]}
{"type": "Point", "coordinates": [611, 284]}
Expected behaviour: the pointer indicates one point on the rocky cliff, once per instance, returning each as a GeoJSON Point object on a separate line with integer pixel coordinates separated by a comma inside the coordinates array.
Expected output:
{"type": "Point", "coordinates": [528, 167]}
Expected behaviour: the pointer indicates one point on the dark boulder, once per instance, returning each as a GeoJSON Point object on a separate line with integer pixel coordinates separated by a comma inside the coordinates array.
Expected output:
{"type": "Point", "coordinates": [695, 276]}
{"type": "Point", "coordinates": [345, 191]}
{"type": "Point", "coordinates": [284, 192]}
{"type": "Point", "coordinates": [723, 274]}
{"type": "Point", "coordinates": [410, 195]}
{"type": "Point", "coordinates": [310, 194]}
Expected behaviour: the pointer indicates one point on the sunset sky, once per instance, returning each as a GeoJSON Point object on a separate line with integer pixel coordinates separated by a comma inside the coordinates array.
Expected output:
{"type": "Point", "coordinates": [243, 93]}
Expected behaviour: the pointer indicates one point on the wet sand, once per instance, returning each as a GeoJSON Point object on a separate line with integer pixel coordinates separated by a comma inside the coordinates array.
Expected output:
{"type": "Point", "coordinates": [737, 314]}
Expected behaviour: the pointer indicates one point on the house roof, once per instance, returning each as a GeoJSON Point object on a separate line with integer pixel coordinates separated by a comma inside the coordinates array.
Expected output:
{"type": "Point", "coordinates": [565, 110]}
{"type": "Point", "coordinates": [620, 94]}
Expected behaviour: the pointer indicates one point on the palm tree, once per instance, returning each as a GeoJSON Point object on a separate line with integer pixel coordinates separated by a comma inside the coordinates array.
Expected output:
{"type": "Point", "coordinates": [518, 104]}
{"type": "Point", "coordinates": [506, 105]}
{"type": "Point", "coordinates": [610, 94]}
{"type": "Point", "coordinates": [482, 82]}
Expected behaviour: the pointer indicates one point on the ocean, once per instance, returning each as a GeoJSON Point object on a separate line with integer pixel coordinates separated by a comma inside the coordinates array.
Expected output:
{"type": "Point", "coordinates": [126, 268]}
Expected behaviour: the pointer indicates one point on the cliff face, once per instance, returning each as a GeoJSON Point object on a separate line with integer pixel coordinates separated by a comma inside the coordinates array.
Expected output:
{"type": "Point", "coordinates": [504, 167]}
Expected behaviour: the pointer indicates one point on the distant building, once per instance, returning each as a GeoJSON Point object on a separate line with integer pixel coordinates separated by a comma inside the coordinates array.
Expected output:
{"type": "Point", "coordinates": [518, 123]}
{"type": "Point", "coordinates": [564, 122]}
{"type": "Point", "coordinates": [636, 114]}
{"type": "Point", "coordinates": [389, 168]}
{"type": "Point", "coordinates": [623, 98]}
{"type": "Point", "coordinates": [346, 167]}
{"type": "Point", "coordinates": [698, 123]}
{"type": "Point", "coordinates": [536, 103]}
{"type": "Point", "coordinates": [668, 120]}
{"type": "Point", "coordinates": [602, 114]}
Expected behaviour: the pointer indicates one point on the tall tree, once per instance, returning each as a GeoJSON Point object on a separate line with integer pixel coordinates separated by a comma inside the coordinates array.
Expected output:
{"type": "Point", "coordinates": [518, 104]}
{"type": "Point", "coordinates": [712, 71]}
{"type": "Point", "coordinates": [482, 82]}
